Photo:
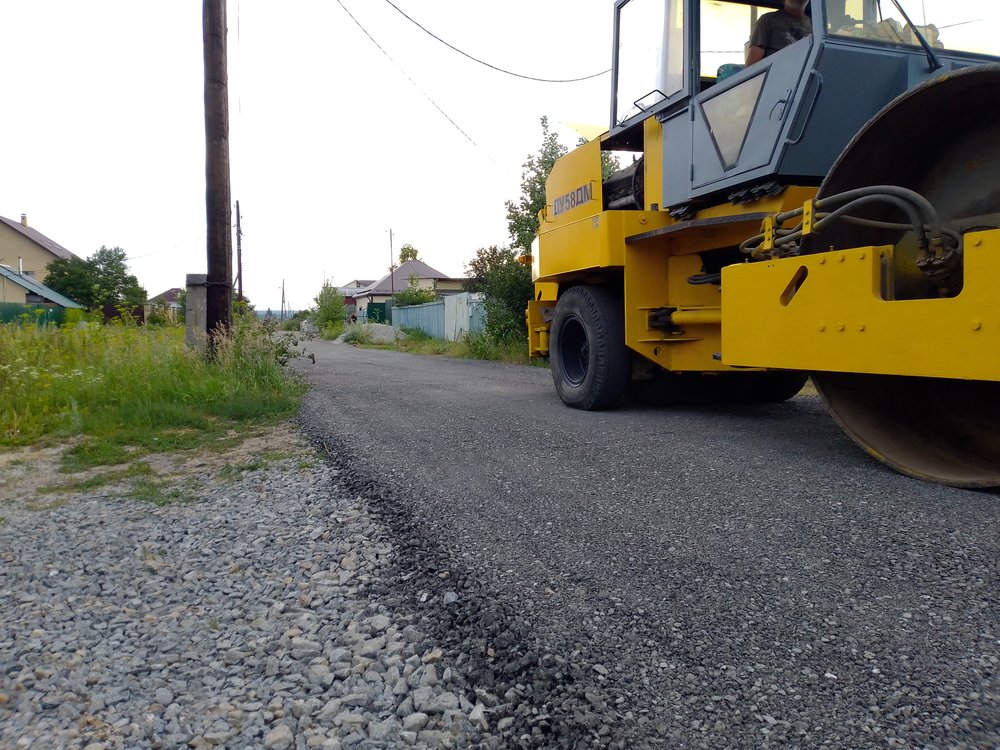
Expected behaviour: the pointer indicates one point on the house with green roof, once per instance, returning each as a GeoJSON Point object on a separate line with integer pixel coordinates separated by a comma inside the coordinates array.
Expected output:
{"type": "Point", "coordinates": [20, 294]}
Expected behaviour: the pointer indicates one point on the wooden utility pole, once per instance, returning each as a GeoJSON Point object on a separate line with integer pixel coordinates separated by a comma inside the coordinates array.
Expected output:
{"type": "Point", "coordinates": [392, 266]}
{"type": "Point", "coordinates": [219, 303]}
{"type": "Point", "coordinates": [239, 254]}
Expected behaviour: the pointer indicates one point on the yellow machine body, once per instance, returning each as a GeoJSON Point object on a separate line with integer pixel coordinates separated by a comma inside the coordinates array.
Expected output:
{"type": "Point", "coordinates": [826, 312]}
{"type": "Point", "coordinates": [652, 253]}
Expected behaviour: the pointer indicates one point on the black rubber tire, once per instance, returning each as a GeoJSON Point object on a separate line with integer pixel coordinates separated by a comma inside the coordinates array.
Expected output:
{"type": "Point", "coordinates": [778, 386]}
{"type": "Point", "coordinates": [587, 353]}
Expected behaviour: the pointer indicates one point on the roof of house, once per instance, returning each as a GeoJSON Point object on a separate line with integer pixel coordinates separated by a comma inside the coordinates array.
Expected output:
{"type": "Point", "coordinates": [399, 279]}
{"type": "Point", "coordinates": [39, 239]}
{"type": "Point", "coordinates": [168, 297]}
{"type": "Point", "coordinates": [35, 288]}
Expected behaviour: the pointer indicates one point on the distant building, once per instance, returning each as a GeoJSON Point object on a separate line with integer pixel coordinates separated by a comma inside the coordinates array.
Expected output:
{"type": "Point", "coordinates": [26, 250]}
{"type": "Point", "coordinates": [427, 278]}
{"type": "Point", "coordinates": [166, 303]}
{"type": "Point", "coordinates": [351, 289]}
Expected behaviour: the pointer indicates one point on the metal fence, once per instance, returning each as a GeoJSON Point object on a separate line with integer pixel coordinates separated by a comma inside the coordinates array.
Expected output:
{"type": "Point", "coordinates": [428, 318]}
{"type": "Point", "coordinates": [450, 318]}
{"type": "Point", "coordinates": [13, 312]}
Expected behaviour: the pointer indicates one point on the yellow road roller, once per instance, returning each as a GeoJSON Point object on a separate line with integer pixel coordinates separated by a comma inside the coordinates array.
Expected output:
{"type": "Point", "coordinates": [830, 211]}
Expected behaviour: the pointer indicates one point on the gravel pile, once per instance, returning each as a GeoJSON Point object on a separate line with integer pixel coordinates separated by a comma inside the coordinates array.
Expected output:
{"type": "Point", "coordinates": [254, 616]}
{"type": "Point", "coordinates": [378, 333]}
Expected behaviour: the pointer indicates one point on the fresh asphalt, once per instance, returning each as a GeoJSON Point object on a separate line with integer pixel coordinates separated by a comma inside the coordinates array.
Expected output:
{"type": "Point", "coordinates": [704, 577]}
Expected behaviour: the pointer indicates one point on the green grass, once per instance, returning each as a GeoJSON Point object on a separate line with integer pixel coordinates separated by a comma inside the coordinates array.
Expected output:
{"type": "Point", "coordinates": [130, 391]}
{"type": "Point", "coordinates": [331, 331]}
{"type": "Point", "coordinates": [471, 346]}
{"type": "Point", "coordinates": [159, 492]}
{"type": "Point", "coordinates": [265, 459]}
{"type": "Point", "coordinates": [140, 469]}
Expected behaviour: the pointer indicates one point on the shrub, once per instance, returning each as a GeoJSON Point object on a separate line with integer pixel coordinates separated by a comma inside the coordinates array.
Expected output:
{"type": "Point", "coordinates": [507, 287]}
{"type": "Point", "coordinates": [329, 307]}
{"type": "Point", "coordinates": [331, 331]}
{"type": "Point", "coordinates": [416, 334]}
{"type": "Point", "coordinates": [358, 334]}
{"type": "Point", "coordinates": [294, 323]}
{"type": "Point", "coordinates": [74, 316]}
{"type": "Point", "coordinates": [414, 295]}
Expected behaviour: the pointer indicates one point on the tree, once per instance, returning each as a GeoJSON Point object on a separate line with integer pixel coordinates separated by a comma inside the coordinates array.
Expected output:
{"type": "Point", "coordinates": [102, 279]}
{"type": "Point", "coordinates": [609, 162]}
{"type": "Point", "coordinates": [329, 308]}
{"type": "Point", "coordinates": [505, 283]}
{"type": "Point", "coordinates": [506, 286]}
{"type": "Point", "coordinates": [242, 305]}
{"type": "Point", "coordinates": [478, 269]}
{"type": "Point", "coordinates": [522, 217]}
{"type": "Point", "coordinates": [115, 285]}
{"type": "Point", "coordinates": [414, 295]}
{"type": "Point", "coordinates": [74, 278]}
{"type": "Point", "coordinates": [408, 252]}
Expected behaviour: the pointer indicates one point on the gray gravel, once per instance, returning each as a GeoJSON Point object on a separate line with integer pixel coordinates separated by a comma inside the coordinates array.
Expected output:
{"type": "Point", "coordinates": [237, 620]}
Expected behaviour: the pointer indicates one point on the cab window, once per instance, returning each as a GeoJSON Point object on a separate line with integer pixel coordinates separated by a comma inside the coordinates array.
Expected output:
{"type": "Point", "coordinates": [650, 55]}
{"type": "Point", "coordinates": [725, 35]}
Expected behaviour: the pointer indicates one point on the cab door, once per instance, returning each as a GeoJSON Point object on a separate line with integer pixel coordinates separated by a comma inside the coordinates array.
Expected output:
{"type": "Point", "coordinates": [738, 119]}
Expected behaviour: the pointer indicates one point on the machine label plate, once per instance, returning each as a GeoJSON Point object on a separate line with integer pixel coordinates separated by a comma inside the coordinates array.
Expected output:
{"type": "Point", "coordinates": [572, 199]}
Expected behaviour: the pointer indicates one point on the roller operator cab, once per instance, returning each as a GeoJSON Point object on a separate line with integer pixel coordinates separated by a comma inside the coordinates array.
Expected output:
{"type": "Point", "coordinates": [831, 211]}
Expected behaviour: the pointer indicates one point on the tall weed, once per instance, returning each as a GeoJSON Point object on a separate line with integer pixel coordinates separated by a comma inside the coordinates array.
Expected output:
{"type": "Point", "coordinates": [136, 386]}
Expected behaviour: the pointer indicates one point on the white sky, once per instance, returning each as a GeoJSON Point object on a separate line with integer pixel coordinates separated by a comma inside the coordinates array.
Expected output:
{"type": "Point", "coordinates": [331, 144]}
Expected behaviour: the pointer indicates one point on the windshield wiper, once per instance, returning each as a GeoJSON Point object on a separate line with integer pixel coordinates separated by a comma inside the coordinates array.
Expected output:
{"type": "Point", "coordinates": [932, 59]}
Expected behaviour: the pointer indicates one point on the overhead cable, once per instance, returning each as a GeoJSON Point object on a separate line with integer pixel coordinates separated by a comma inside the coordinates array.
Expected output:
{"type": "Point", "coordinates": [401, 70]}
{"type": "Point", "coordinates": [488, 65]}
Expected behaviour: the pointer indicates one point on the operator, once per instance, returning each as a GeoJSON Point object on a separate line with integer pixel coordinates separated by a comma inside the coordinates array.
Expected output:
{"type": "Point", "coordinates": [778, 29]}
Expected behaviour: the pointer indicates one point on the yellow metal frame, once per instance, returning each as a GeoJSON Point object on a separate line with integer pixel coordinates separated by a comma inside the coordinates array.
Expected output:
{"type": "Point", "coordinates": [821, 312]}
{"type": "Point", "coordinates": [593, 243]}
{"type": "Point", "coordinates": [825, 312]}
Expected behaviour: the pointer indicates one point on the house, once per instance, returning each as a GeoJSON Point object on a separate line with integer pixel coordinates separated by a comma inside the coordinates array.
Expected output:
{"type": "Point", "coordinates": [26, 250]}
{"type": "Point", "coordinates": [168, 298]}
{"type": "Point", "coordinates": [18, 291]}
{"type": "Point", "coordinates": [350, 290]}
{"type": "Point", "coordinates": [166, 303]}
{"type": "Point", "coordinates": [381, 291]}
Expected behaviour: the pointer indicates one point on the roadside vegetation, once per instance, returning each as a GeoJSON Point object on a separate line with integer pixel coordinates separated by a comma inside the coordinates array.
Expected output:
{"type": "Point", "coordinates": [329, 313]}
{"type": "Point", "coordinates": [118, 392]}
{"type": "Point", "coordinates": [471, 346]}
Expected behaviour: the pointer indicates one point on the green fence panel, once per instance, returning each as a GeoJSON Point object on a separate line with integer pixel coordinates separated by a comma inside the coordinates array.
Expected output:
{"type": "Point", "coordinates": [376, 312]}
{"type": "Point", "coordinates": [12, 312]}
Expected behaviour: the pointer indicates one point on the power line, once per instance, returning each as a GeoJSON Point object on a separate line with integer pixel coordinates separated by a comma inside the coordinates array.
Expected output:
{"type": "Point", "coordinates": [426, 96]}
{"type": "Point", "coordinates": [488, 65]}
